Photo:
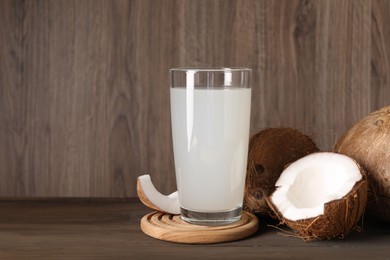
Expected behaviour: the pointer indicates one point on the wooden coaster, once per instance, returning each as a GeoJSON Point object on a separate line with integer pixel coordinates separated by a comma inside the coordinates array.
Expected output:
{"type": "Point", "coordinates": [172, 228]}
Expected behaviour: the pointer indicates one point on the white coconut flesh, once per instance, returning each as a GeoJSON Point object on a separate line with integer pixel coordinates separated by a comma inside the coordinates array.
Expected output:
{"type": "Point", "coordinates": [169, 204]}
{"type": "Point", "coordinates": [306, 185]}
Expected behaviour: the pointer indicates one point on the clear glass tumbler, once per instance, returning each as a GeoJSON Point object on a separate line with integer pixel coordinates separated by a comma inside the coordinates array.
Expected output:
{"type": "Point", "coordinates": [210, 112]}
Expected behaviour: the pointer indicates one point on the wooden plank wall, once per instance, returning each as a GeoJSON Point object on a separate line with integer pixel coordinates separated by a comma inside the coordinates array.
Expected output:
{"type": "Point", "coordinates": [84, 87]}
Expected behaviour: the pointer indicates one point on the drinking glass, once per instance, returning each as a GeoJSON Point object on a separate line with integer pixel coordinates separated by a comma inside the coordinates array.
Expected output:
{"type": "Point", "coordinates": [210, 112]}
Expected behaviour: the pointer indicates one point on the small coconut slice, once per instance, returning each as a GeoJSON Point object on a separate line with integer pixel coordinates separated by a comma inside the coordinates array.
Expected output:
{"type": "Point", "coordinates": [153, 199]}
{"type": "Point", "coordinates": [322, 195]}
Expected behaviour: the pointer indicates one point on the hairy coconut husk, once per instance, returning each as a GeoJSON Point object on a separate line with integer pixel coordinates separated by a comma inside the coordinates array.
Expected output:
{"type": "Point", "coordinates": [368, 142]}
{"type": "Point", "coordinates": [339, 219]}
{"type": "Point", "coordinates": [270, 151]}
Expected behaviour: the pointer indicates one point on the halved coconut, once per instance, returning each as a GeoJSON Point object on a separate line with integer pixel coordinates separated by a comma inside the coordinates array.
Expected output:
{"type": "Point", "coordinates": [322, 195]}
{"type": "Point", "coordinates": [153, 199]}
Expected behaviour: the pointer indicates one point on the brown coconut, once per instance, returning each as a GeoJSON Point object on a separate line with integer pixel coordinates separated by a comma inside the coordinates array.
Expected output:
{"type": "Point", "coordinates": [340, 216]}
{"type": "Point", "coordinates": [368, 142]}
{"type": "Point", "coordinates": [270, 151]}
{"type": "Point", "coordinates": [339, 219]}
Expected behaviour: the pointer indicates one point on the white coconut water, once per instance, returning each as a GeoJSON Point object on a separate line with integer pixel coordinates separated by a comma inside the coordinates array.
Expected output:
{"type": "Point", "coordinates": [210, 139]}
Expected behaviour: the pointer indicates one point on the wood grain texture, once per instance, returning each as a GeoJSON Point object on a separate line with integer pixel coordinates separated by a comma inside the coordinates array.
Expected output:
{"type": "Point", "coordinates": [109, 229]}
{"type": "Point", "coordinates": [84, 86]}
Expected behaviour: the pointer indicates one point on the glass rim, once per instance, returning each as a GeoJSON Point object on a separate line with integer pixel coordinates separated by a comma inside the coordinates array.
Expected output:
{"type": "Point", "coordinates": [210, 69]}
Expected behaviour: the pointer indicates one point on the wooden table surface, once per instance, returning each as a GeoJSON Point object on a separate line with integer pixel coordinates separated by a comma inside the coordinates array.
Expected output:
{"type": "Point", "coordinates": [108, 228]}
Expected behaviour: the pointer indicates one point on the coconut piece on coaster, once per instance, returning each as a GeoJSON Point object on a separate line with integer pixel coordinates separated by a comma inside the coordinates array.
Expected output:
{"type": "Point", "coordinates": [172, 228]}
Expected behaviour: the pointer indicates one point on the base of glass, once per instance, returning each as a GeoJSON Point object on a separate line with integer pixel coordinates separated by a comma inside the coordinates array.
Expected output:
{"type": "Point", "coordinates": [211, 218]}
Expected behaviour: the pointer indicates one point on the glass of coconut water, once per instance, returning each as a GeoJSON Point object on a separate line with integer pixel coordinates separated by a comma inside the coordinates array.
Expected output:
{"type": "Point", "coordinates": [210, 112]}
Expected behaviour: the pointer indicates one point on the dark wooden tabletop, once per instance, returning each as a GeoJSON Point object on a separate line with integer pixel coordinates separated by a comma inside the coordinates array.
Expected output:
{"type": "Point", "coordinates": [107, 228]}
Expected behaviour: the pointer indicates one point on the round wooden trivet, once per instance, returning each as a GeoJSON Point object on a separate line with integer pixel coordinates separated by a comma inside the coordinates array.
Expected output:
{"type": "Point", "coordinates": [172, 228]}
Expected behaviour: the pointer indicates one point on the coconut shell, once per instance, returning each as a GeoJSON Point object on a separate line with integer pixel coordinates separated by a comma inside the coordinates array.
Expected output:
{"type": "Point", "coordinates": [339, 219]}
{"type": "Point", "coordinates": [368, 142]}
{"type": "Point", "coordinates": [270, 151]}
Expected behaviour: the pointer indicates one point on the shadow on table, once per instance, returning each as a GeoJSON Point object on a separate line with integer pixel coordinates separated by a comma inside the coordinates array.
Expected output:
{"type": "Point", "coordinates": [370, 230]}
